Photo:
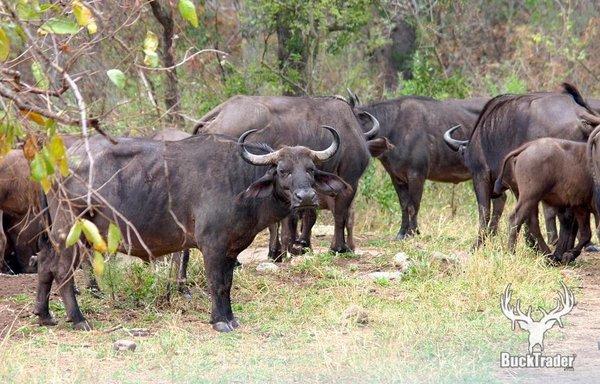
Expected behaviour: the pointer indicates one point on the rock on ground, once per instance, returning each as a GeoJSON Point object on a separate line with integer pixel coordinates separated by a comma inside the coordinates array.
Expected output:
{"type": "Point", "coordinates": [267, 267]}
{"type": "Point", "coordinates": [356, 314]}
{"type": "Point", "coordinates": [125, 345]}
{"type": "Point", "coordinates": [253, 255]}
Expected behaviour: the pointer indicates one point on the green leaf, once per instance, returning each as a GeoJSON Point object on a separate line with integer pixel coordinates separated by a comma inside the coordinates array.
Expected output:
{"type": "Point", "coordinates": [150, 42]}
{"type": "Point", "coordinates": [74, 233]}
{"type": "Point", "coordinates": [58, 151]}
{"type": "Point", "coordinates": [92, 234]}
{"type": "Point", "coordinates": [40, 77]}
{"type": "Point", "coordinates": [188, 12]}
{"type": "Point", "coordinates": [117, 77]}
{"type": "Point", "coordinates": [98, 264]}
{"type": "Point", "coordinates": [59, 27]}
{"type": "Point", "coordinates": [4, 45]}
{"type": "Point", "coordinates": [84, 17]}
{"type": "Point", "coordinates": [114, 238]}
{"type": "Point", "coordinates": [38, 168]}
{"type": "Point", "coordinates": [151, 59]}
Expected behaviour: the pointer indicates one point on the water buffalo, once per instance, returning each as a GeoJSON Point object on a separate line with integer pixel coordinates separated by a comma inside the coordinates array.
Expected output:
{"type": "Point", "coordinates": [556, 172]}
{"type": "Point", "coordinates": [296, 121]}
{"type": "Point", "coordinates": [207, 192]}
{"type": "Point", "coordinates": [415, 126]}
{"type": "Point", "coordinates": [507, 122]}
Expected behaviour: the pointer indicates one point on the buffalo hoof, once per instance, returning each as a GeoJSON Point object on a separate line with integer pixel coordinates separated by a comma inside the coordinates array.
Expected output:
{"type": "Point", "coordinates": [592, 248]}
{"type": "Point", "coordinates": [296, 249]}
{"type": "Point", "coordinates": [403, 235]}
{"type": "Point", "coordinates": [48, 321]}
{"type": "Point", "coordinates": [234, 323]}
{"type": "Point", "coordinates": [221, 326]}
{"type": "Point", "coordinates": [185, 292]}
{"type": "Point", "coordinates": [276, 255]}
{"type": "Point", "coordinates": [82, 326]}
{"type": "Point", "coordinates": [341, 249]}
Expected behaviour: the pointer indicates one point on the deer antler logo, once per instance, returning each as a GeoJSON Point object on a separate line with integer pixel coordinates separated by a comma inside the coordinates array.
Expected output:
{"type": "Point", "coordinates": [537, 329]}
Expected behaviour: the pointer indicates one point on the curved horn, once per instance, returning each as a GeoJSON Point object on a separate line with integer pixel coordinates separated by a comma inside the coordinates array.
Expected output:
{"type": "Point", "coordinates": [453, 143]}
{"type": "Point", "coordinates": [267, 159]}
{"type": "Point", "coordinates": [375, 130]}
{"type": "Point", "coordinates": [329, 152]}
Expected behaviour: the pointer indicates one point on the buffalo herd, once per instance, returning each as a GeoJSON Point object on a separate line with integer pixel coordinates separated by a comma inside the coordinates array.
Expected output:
{"type": "Point", "coordinates": [258, 162]}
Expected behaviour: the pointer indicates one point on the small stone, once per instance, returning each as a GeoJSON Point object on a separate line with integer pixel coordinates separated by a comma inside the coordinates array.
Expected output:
{"type": "Point", "coordinates": [267, 267]}
{"type": "Point", "coordinates": [391, 275]}
{"type": "Point", "coordinates": [402, 261]}
{"type": "Point", "coordinates": [356, 314]}
{"type": "Point", "coordinates": [124, 345]}
{"type": "Point", "coordinates": [139, 332]}
{"type": "Point", "coordinates": [253, 255]}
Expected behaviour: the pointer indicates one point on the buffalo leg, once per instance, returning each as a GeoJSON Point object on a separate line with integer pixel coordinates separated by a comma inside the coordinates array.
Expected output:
{"type": "Point", "coordinates": [585, 235]}
{"type": "Point", "coordinates": [275, 251]}
{"type": "Point", "coordinates": [416, 183]}
{"type": "Point", "coordinates": [309, 218]}
{"type": "Point", "coordinates": [403, 198]}
{"type": "Point", "coordinates": [550, 220]}
{"type": "Point", "coordinates": [497, 209]}
{"type": "Point", "coordinates": [289, 233]}
{"type": "Point", "coordinates": [183, 259]}
{"type": "Point", "coordinates": [66, 286]}
{"type": "Point", "coordinates": [534, 236]}
{"type": "Point", "coordinates": [340, 214]}
{"type": "Point", "coordinates": [219, 272]}
{"type": "Point", "coordinates": [483, 195]}
{"type": "Point", "coordinates": [45, 279]}
{"type": "Point", "coordinates": [350, 227]}
{"type": "Point", "coordinates": [566, 235]}
{"type": "Point", "coordinates": [521, 213]}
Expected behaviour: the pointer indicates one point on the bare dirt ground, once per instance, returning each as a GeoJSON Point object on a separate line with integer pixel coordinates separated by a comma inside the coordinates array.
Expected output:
{"type": "Point", "coordinates": [580, 336]}
{"type": "Point", "coordinates": [13, 312]}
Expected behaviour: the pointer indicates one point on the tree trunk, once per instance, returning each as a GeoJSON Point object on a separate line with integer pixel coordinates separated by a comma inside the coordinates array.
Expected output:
{"type": "Point", "coordinates": [172, 97]}
{"type": "Point", "coordinates": [396, 57]}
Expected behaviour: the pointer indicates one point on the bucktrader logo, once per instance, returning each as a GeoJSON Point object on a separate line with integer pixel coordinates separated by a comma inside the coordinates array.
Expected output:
{"type": "Point", "coordinates": [535, 357]}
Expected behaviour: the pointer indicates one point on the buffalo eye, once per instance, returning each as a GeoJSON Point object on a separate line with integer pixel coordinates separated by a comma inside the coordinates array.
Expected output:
{"type": "Point", "coordinates": [285, 172]}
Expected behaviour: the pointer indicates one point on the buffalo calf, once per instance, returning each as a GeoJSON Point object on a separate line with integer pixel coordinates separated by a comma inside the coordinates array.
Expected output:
{"type": "Point", "coordinates": [553, 171]}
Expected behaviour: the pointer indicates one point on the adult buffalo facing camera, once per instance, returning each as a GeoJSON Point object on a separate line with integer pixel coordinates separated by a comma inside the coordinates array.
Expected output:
{"type": "Point", "coordinates": [507, 122]}
{"type": "Point", "coordinates": [170, 196]}
{"type": "Point", "coordinates": [415, 126]}
{"type": "Point", "coordinates": [295, 121]}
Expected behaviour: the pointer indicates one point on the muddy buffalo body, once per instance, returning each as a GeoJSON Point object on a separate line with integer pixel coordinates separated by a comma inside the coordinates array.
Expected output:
{"type": "Point", "coordinates": [19, 197]}
{"type": "Point", "coordinates": [296, 121]}
{"type": "Point", "coordinates": [415, 126]}
{"type": "Point", "coordinates": [507, 122]}
{"type": "Point", "coordinates": [206, 192]}
{"type": "Point", "coordinates": [553, 171]}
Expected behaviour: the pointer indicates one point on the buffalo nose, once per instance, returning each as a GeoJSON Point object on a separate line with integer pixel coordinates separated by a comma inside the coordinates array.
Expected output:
{"type": "Point", "coordinates": [305, 196]}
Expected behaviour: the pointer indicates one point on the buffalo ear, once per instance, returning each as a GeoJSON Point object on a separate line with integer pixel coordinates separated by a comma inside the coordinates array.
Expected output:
{"type": "Point", "coordinates": [262, 187]}
{"type": "Point", "coordinates": [379, 146]}
{"type": "Point", "coordinates": [330, 184]}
